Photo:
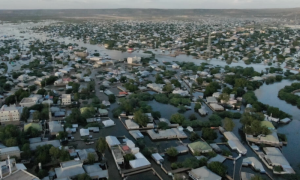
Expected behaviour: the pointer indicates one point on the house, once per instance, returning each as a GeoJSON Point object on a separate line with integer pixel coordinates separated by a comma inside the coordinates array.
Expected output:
{"type": "Point", "coordinates": [30, 101]}
{"type": "Point", "coordinates": [83, 154]}
{"type": "Point", "coordinates": [37, 143]}
{"type": "Point", "coordinates": [199, 146]}
{"type": "Point", "coordinates": [203, 173]}
{"type": "Point", "coordinates": [274, 157]}
{"type": "Point", "coordinates": [69, 169]}
{"type": "Point", "coordinates": [10, 114]}
{"type": "Point", "coordinates": [84, 132]}
{"type": "Point", "coordinates": [133, 60]}
{"type": "Point", "coordinates": [180, 92]}
{"type": "Point", "coordinates": [234, 143]}
{"type": "Point", "coordinates": [211, 100]}
{"type": "Point", "coordinates": [10, 151]}
{"type": "Point", "coordinates": [10, 170]}
{"type": "Point", "coordinates": [156, 87]}
{"type": "Point", "coordinates": [65, 99]}
{"type": "Point", "coordinates": [55, 127]}
{"type": "Point", "coordinates": [140, 161]}
{"type": "Point", "coordinates": [131, 124]}
{"type": "Point", "coordinates": [175, 66]}
{"type": "Point", "coordinates": [95, 171]}
{"type": "Point", "coordinates": [103, 112]}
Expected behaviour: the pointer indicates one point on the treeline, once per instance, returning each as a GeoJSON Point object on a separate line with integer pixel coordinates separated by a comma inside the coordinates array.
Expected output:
{"type": "Point", "coordinates": [287, 95]}
{"type": "Point", "coordinates": [250, 98]}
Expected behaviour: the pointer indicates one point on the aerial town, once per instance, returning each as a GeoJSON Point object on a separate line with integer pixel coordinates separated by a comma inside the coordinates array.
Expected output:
{"type": "Point", "coordinates": [209, 99]}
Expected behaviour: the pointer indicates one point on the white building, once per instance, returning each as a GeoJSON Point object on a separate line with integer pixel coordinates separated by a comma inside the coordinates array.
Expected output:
{"type": "Point", "coordinates": [133, 60]}
{"type": "Point", "coordinates": [30, 101]}
{"type": "Point", "coordinates": [180, 92]}
{"type": "Point", "coordinates": [10, 114]}
{"type": "Point", "coordinates": [66, 99]}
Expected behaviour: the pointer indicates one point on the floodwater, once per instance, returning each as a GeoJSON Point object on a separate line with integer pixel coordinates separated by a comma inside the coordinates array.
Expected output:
{"type": "Point", "coordinates": [266, 94]}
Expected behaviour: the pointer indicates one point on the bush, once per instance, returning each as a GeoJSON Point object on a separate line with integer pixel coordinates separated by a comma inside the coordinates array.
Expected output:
{"type": "Point", "coordinates": [161, 98]}
{"type": "Point", "coordinates": [192, 117]}
{"type": "Point", "coordinates": [177, 118]}
{"type": "Point", "coordinates": [172, 152]}
{"type": "Point", "coordinates": [194, 136]}
{"type": "Point", "coordinates": [163, 125]}
{"type": "Point", "coordinates": [197, 107]}
{"type": "Point", "coordinates": [181, 109]}
{"type": "Point", "coordinates": [217, 168]}
{"type": "Point", "coordinates": [209, 134]}
{"type": "Point", "coordinates": [112, 98]}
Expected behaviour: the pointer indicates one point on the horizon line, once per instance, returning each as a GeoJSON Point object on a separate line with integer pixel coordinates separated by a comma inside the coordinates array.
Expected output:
{"type": "Point", "coordinates": [155, 8]}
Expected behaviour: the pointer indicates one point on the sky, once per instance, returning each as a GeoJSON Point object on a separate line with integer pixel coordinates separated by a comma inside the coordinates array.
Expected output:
{"type": "Point", "coordinates": [161, 4]}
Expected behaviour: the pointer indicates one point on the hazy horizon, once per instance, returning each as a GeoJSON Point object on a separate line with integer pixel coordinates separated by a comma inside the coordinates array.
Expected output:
{"type": "Point", "coordinates": [146, 4]}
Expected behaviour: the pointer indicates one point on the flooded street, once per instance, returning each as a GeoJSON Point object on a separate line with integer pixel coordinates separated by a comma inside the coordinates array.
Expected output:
{"type": "Point", "coordinates": [266, 94]}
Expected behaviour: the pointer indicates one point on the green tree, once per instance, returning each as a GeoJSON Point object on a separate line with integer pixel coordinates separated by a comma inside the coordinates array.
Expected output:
{"type": "Point", "coordinates": [163, 125]}
{"type": "Point", "coordinates": [101, 145]}
{"type": "Point", "coordinates": [112, 98]}
{"type": "Point", "coordinates": [177, 118]}
{"type": "Point", "coordinates": [32, 132]}
{"type": "Point", "coordinates": [168, 88]}
{"type": "Point", "coordinates": [54, 152]}
{"type": "Point", "coordinates": [25, 114]}
{"type": "Point", "coordinates": [36, 115]}
{"type": "Point", "coordinates": [140, 118]}
{"type": "Point", "coordinates": [228, 124]}
{"type": "Point", "coordinates": [224, 97]}
{"type": "Point", "coordinates": [217, 168]}
{"type": "Point", "coordinates": [197, 107]}
{"type": "Point", "coordinates": [26, 151]}
{"type": "Point", "coordinates": [193, 117]}
{"type": "Point", "coordinates": [172, 152]}
{"type": "Point", "coordinates": [91, 158]}
{"type": "Point", "coordinates": [194, 136]}
{"type": "Point", "coordinates": [209, 134]}
{"type": "Point", "coordinates": [192, 163]}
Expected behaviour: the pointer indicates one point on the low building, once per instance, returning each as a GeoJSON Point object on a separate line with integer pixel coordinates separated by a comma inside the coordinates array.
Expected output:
{"type": "Point", "coordinates": [10, 114]}
{"type": "Point", "coordinates": [203, 173]}
{"type": "Point", "coordinates": [199, 147]}
{"type": "Point", "coordinates": [30, 101]}
{"type": "Point", "coordinates": [34, 145]}
{"type": "Point", "coordinates": [134, 60]}
{"type": "Point", "coordinates": [252, 161]}
{"type": "Point", "coordinates": [140, 161]}
{"type": "Point", "coordinates": [66, 99]}
{"type": "Point", "coordinates": [55, 127]}
{"type": "Point", "coordinates": [10, 151]}
{"type": "Point", "coordinates": [172, 133]}
{"type": "Point", "coordinates": [180, 92]}
{"type": "Point", "coordinates": [83, 154]}
{"type": "Point", "coordinates": [234, 143]}
{"type": "Point", "coordinates": [69, 169]}
{"type": "Point", "coordinates": [274, 157]}
{"type": "Point", "coordinates": [95, 171]}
